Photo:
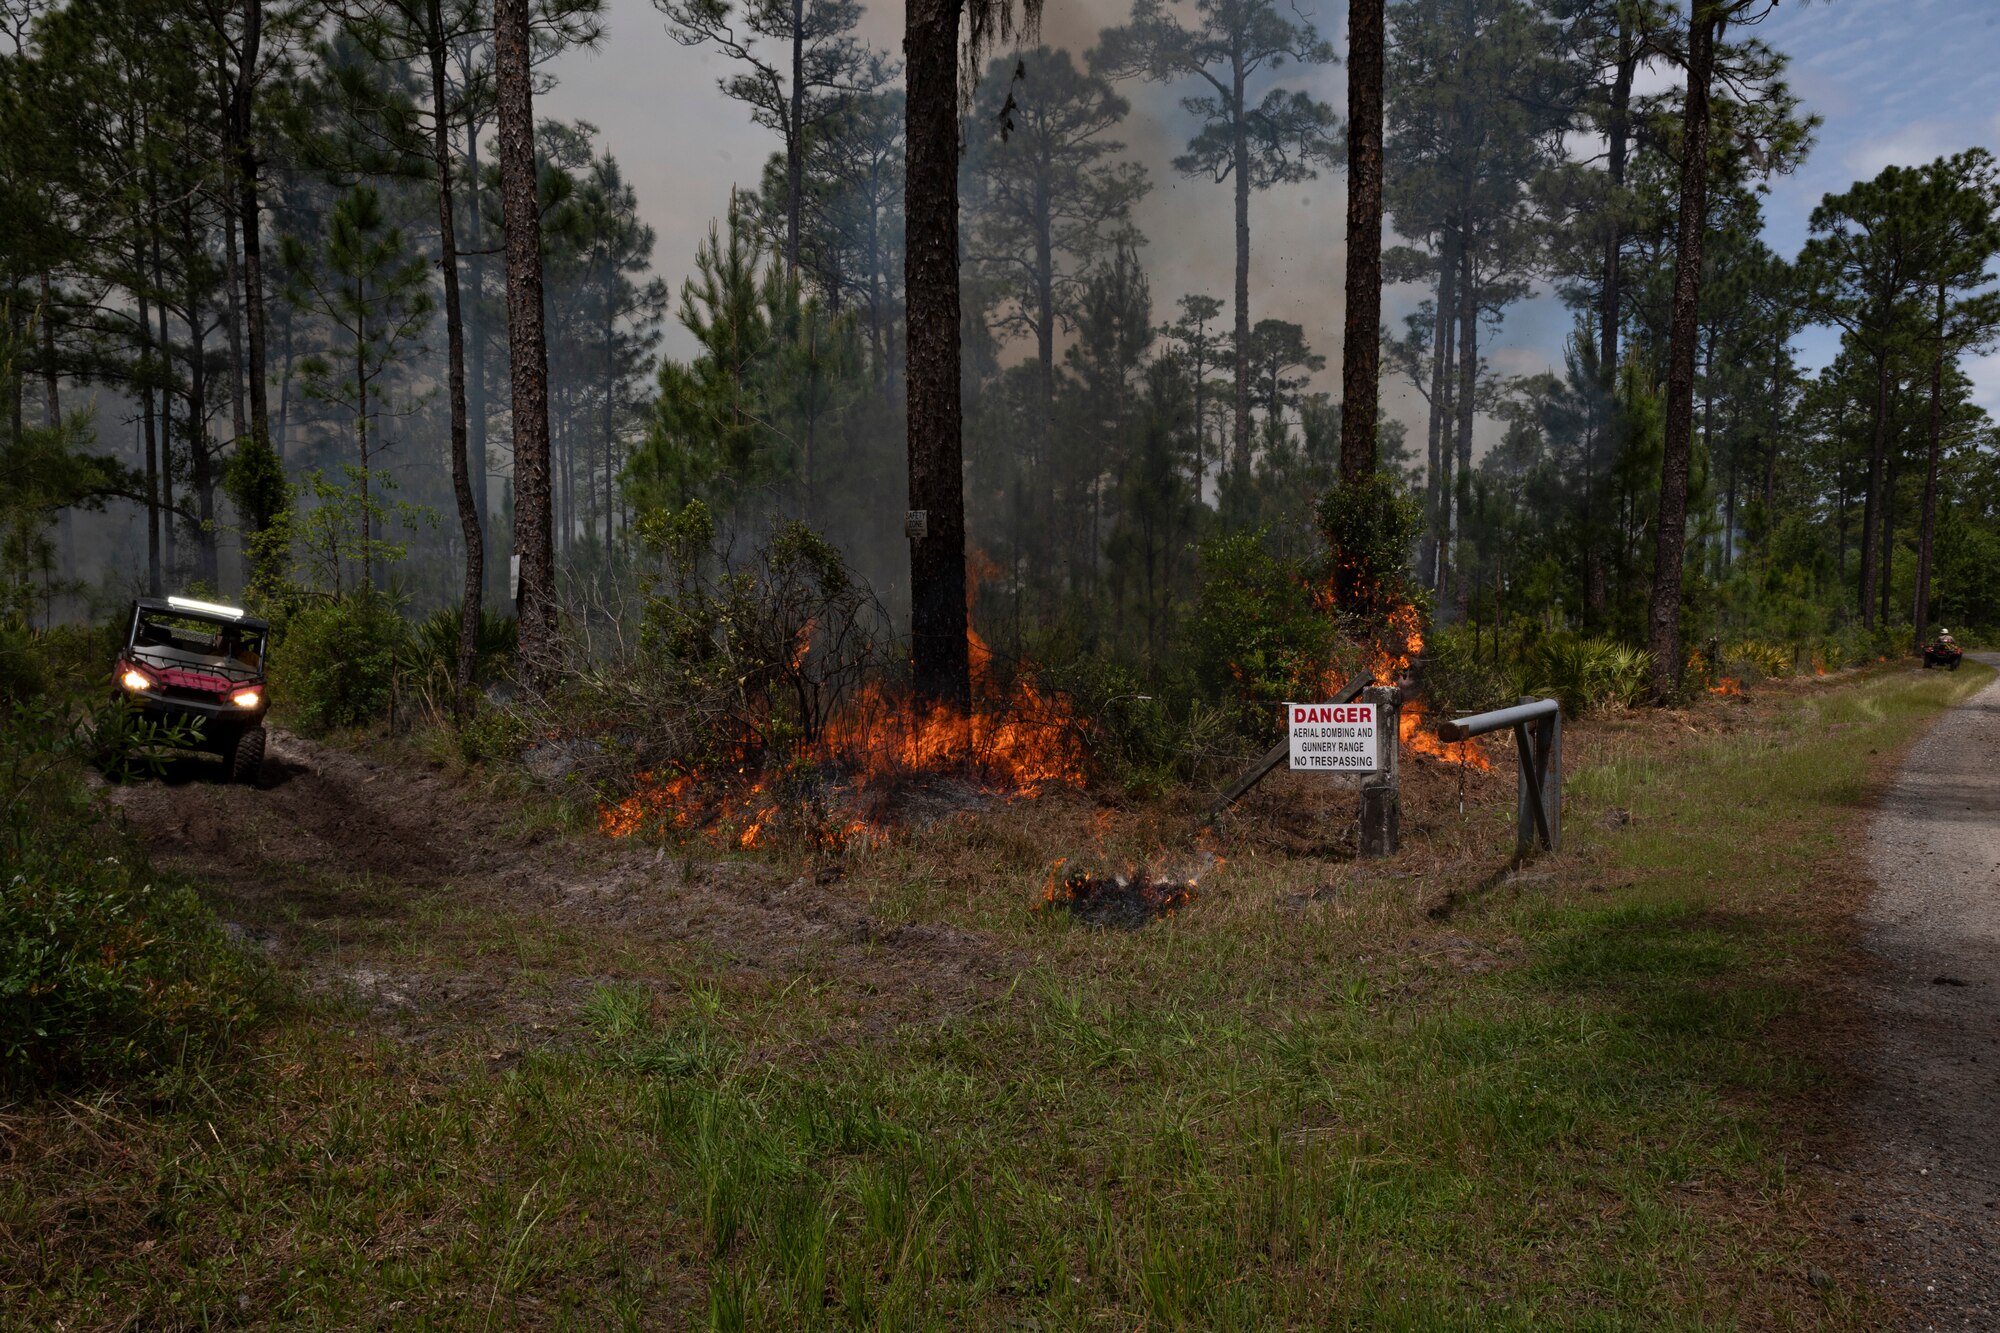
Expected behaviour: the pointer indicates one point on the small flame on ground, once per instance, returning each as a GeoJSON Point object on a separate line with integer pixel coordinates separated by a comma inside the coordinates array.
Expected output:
{"type": "Point", "coordinates": [1729, 687]}
{"type": "Point", "coordinates": [1125, 901]}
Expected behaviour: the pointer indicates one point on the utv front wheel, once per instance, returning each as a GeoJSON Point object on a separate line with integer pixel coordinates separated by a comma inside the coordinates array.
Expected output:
{"type": "Point", "coordinates": [246, 757]}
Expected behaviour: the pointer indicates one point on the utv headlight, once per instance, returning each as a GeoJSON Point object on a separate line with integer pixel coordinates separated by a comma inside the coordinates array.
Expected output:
{"type": "Point", "coordinates": [246, 698]}
{"type": "Point", "coordinates": [137, 680]}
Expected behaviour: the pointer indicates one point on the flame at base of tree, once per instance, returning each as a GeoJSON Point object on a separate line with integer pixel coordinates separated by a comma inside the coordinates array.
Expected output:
{"type": "Point", "coordinates": [1368, 526]}
{"type": "Point", "coordinates": [1729, 687]}
{"type": "Point", "coordinates": [1398, 640]}
{"type": "Point", "coordinates": [1017, 742]}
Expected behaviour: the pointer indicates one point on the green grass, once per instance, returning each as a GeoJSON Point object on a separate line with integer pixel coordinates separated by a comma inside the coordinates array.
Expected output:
{"type": "Point", "coordinates": [1256, 1115]}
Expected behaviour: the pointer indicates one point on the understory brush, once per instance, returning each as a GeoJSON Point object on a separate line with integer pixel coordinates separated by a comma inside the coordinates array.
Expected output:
{"type": "Point", "coordinates": [109, 972]}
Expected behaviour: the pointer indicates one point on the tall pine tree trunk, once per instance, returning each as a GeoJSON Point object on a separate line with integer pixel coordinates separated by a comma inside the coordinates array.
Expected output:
{"type": "Point", "coordinates": [155, 585]}
{"type": "Point", "coordinates": [1888, 544]}
{"type": "Point", "coordinates": [1240, 173]}
{"type": "Point", "coordinates": [526, 344]}
{"type": "Point", "coordinates": [1920, 612]}
{"type": "Point", "coordinates": [1438, 468]}
{"type": "Point", "coordinates": [454, 331]}
{"type": "Point", "coordinates": [1447, 427]}
{"type": "Point", "coordinates": [1663, 611]}
{"type": "Point", "coordinates": [1468, 385]}
{"type": "Point", "coordinates": [475, 341]}
{"type": "Point", "coordinates": [1871, 511]}
{"type": "Point", "coordinates": [201, 473]}
{"type": "Point", "coordinates": [940, 663]}
{"type": "Point", "coordinates": [262, 494]}
{"type": "Point", "coordinates": [795, 142]}
{"type": "Point", "coordinates": [1361, 348]}
{"type": "Point", "coordinates": [1618, 145]}
{"type": "Point", "coordinates": [232, 273]}
{"type": "Point", "coordinates": [168, 554]}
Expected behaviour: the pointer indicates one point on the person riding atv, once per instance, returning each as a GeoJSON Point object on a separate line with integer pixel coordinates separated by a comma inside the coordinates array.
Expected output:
{"type": "Point", "coordinates": [1943, 651]}
{"type": "Point", "coordinates": [199, 665]}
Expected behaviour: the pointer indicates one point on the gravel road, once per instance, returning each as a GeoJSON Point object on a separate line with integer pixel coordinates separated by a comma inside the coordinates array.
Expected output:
{"type": "Point", "coordinates": [1929, 1197]}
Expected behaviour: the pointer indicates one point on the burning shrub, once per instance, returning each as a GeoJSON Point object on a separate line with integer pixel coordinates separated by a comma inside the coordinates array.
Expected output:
{"type": "Point", "coordinates": [762, 653]}
{"type": "Point", "coordinates": [1370, 528]}
{"type": "Point", "coordinates": [757, 703]}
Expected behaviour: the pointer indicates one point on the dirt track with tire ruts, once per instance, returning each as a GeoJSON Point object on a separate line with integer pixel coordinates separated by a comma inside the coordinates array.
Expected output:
{"type": "Point", "coordinates": [334, 836]}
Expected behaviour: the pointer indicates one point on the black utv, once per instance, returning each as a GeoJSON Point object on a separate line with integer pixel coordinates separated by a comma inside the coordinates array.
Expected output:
{"type": "Point", "coordinates": [199, 667]}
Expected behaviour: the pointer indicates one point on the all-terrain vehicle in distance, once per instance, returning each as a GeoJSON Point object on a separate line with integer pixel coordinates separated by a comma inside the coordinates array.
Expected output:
{"type": "Point", "coordinates": [198, 667]}
{"type": "Point", "coordinates": [1943, 652]}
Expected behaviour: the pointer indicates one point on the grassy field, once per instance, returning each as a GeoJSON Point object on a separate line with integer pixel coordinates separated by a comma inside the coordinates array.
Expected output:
{"type": "Point", "coordinates": [1431, 1095]}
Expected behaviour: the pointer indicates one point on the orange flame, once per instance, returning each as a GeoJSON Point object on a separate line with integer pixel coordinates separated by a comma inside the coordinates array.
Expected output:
{"type": "Point", "coordinates": [1729, 687]}
{"type": "Point", "coordinates": [1016, 740]}
{"type": "Point", "coordinates": [1396, 647]}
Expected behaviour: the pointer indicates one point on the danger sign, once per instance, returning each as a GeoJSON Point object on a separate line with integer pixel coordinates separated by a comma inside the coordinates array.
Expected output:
{"type": "Point", "coordinates": [1332, 738]}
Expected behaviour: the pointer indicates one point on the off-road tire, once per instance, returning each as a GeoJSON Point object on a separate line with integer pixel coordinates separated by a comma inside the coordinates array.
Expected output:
{"type": "Point", "coordinates": [1954, 666]}
{"type": "Point", "coordinates": [246, 757]}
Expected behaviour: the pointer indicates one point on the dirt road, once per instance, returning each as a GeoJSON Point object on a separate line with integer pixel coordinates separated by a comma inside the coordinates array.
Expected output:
{"type": "Point", "coordinates": [1930, 1111]}
{"type": "Point", "coordinates": [341, 864]}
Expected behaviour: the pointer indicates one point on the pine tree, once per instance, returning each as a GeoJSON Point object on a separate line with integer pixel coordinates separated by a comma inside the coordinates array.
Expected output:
{"type": "Point", "coordinates": [1284, 138]}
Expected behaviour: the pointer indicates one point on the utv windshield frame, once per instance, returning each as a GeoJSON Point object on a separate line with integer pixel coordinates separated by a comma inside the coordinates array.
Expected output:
{"type": "Point", "coordinates": [175, 638]}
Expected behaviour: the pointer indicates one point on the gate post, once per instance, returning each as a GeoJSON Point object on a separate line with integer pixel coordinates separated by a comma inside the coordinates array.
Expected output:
{"type": "Point", "coordinates": [1381, 791]}
{"type": "Point", "coordinates": [1538, 793]}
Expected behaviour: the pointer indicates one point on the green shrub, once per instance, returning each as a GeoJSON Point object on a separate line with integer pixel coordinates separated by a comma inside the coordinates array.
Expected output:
{"type": "Point", "coordinates": [1583, 673]}
{"type": "Point", "coordinates": [1459, 678]}
{"type": "Point", "coordinates": [1257, 635]}
{"type": "Point", "coordinates": [1370, 529]}
{"type": "Point", "coordinates": [432, 663]}
{"type": "Point", "coordinates": [23, 673]}
{"type": "Point", "coordinates": [1758, 659]}
{"type": "Point", "coordinates": [1142, 735]}
{"type": "Point", "coordinates": [492, 735]}
{"type": "Point", "coordinates": [335, 664]}
{"type": "Point", "coordinates": [106, 972]}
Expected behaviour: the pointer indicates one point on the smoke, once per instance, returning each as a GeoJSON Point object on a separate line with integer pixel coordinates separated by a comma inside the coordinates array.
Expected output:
{"type": "Point", "coordinates": [683, 145]}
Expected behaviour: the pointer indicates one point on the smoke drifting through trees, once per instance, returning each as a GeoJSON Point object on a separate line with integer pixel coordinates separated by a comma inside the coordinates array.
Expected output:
{"type": "Point", "coordinates": [1528, 145]}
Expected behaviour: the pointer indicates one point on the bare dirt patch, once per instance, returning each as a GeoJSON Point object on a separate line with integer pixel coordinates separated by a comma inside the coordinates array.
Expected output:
{"type": "Point", "coordinates": [331, 861]}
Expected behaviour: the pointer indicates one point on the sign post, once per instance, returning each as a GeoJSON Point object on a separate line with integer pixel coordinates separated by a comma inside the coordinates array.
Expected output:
{"type": "Point", "coordinates": [1382, 791]}
{"type": "Point", "coordinates": [1332, 738]}
{"type": "Point", "coordinates": [1358, 738]}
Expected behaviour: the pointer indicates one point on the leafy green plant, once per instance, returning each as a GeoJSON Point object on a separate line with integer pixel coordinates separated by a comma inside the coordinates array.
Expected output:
{"type": "Point", "coordinates": [431, 664]}
{"type": "Point", "coordinates": [106, 971]}
{"type": "Point", "coordinates": [336, 662]}
{"type": "Point", "coordinates": [1583, 673]}
{"type": "Point", "coordinates": [1256, 635]}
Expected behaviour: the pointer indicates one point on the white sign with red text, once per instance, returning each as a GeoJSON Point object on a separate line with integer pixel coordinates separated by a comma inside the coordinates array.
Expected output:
{"type": "Point", "coordinates": [1333, 738]}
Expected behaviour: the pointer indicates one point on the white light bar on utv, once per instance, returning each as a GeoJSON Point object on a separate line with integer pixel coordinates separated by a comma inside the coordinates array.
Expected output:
{"type": "Point", "coordinates": [212, 608]}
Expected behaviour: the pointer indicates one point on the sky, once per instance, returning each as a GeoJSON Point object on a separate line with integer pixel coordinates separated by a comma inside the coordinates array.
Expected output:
{"type": "Point", "coordinates": [1895, 81]}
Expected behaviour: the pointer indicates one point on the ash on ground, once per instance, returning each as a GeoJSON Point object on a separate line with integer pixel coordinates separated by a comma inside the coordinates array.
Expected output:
{"type": "Point", "coordinates": [1119, 902]}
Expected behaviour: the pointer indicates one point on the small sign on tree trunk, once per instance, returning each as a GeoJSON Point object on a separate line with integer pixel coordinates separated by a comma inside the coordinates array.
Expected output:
{"type": "Point", "coordinates": [1333, 738]}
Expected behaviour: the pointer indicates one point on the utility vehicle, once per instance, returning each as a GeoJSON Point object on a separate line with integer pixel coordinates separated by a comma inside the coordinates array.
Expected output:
{"type": "Point", "coordinates": [198, 667]}
{"type": "Point", "coordinates": [1943, 652]}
